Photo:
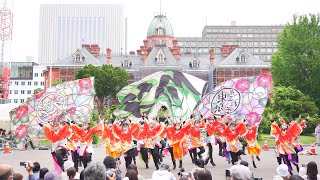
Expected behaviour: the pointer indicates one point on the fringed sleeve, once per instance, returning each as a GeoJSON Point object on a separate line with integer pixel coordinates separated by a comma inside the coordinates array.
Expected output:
{"type": "Point", "coordinates": [275, 129]}
{"type": "Point", "coordinates": [241, 129]}
{"type": "Point", "coordinates": [134, 129]}
{"type": "Point", "coordinates": [48, 132]}
{"type": "Point", "coordinates": [295, 130]}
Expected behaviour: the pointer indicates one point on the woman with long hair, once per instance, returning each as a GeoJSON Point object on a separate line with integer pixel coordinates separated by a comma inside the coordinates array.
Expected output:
{"type": "Point", "coordinates": [312, 172]}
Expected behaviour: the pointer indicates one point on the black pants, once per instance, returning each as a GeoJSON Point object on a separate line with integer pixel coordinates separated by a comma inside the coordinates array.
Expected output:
{"type": "Point", "coordinates": [172, 156]}
{"type": "Point", "coordinates": [86, 159]}
{"type": "Point", "coordinates": [128, 158]}
{"type": "Point", "coordinates": [156, 156]}
{"type": "Point", "coordinates": [234, 156]}
{"type": "Point", "coordinates": [210, 152]}
{"type": "Point", "coordinates": [31, 144]}
{"type": "Point", "coordinates": [144, 154]}
{"type": "Point", "coordinates": [163, 145]}
{"type": "Point", "coordinates": [59, 154]}
{"type": "Point", "coordinates": [75, 159]}
{"type": "Point", "coordinates": [195, 154]}
{"type": "Point", "coordinates": [221, 144]}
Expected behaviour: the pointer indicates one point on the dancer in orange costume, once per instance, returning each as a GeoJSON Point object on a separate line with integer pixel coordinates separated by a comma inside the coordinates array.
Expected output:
{"type": "Point", "coordinates": [168, 132]}
{"type": "Point", "coordinates": [126, 132]}
{"type": "Point", "coordinates": [150, 135]}
{"type": "Point", "coordinates": [284, 136]}
{"type": "Point", "coordinates": [73, 145]}
{"type": "Point", "coordinates": [222, 139]}
{"type": "Point", "coordinates": [196, 141]}
{"type": "Point", "coordinates": [254, 149]}
{"type": "Point", "coordinates": [113, 143]}
{"type": "Point", "coordinates": [177, 136]}
{"type": "Point", "coordinates": [85, 133]}
{"type": "Point", "coordinates": [57, 132]}
{"type": "Point", "coordinates": [232, 131]}
{"type": "Point", "coordinates": [211, 126]}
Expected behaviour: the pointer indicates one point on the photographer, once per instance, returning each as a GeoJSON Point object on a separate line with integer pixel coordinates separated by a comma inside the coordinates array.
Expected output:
{"type": "Point", "coordinates": [29, 167]}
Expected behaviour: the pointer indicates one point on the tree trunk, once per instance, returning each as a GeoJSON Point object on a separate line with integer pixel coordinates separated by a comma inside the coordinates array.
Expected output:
{"type": "Point", "coordinates": [100, 104]}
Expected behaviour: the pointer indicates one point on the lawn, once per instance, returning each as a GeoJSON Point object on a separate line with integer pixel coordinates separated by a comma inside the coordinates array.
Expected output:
{"type": "Point", "coordinates": [271, 140]}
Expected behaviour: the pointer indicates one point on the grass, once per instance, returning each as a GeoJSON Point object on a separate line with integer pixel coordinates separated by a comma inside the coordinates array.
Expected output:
{"type": "Point", "coordinates": [44, 142]}
{"type": "Point", "coordinates": [271, 140]}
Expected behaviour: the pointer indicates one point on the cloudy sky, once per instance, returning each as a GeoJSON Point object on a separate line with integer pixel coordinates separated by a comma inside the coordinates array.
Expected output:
{"type": "Point", "coordinates": [187, 17]}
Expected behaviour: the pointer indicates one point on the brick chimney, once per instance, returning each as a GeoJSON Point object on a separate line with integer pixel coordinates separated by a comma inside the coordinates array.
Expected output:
{"type": "Point", "coordinates": [108, 56]}
{"type": "Point", "coordinates": [145, 49]}
{"type": "Point", "coordinates": [132, 53]}
{"type": "Point", "coordinates": [175, 49]}
{"type": "Point", "coordinates": [227, 49]}
{"type": "Point", "coordinates": [211, 52]}
{"type": "Point", "coordinates": [139, 52]}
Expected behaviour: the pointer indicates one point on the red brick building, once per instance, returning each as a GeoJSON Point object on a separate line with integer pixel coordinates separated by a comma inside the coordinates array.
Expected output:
{"type": "Point", "coordinates": [160, 51]}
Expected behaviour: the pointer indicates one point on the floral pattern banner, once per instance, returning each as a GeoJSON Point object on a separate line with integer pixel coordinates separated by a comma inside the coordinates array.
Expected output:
{"type": "Point", "coordinates": [69, 101]}
{"type": "Point", "coordinates": [246, 97]}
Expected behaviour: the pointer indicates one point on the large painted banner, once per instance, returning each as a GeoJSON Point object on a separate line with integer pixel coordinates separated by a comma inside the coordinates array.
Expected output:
{"type": "Point", "coordinates": [245, 97]}
{"type": "Point", "coordinates": [69, 101]}
{"type": "Point", "coordinates": [178, 92]}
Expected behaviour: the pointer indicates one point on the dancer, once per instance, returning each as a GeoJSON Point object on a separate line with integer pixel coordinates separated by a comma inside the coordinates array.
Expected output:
{"type": "Point", "coordinates": [254, 149]}
{"type": "Point", "coordinates": [57, 132]}
{"type": "Point", "coordinates": [150, 134]}
{"type": "Point", "coordinates": [178, 138]}
{"type": "Point", "coordinates": [284, 135]}
{"type": "Point", "coordinates": [85, 133]}
{"type": "Point", "coordinates": [113, 143]}
{"type": "Point", "coordinates": [211, 130]}
{"type": "Point", "coordinates": [232, 131]}
{"type": "Point", "coordinates": [196, 140]}
{"type": "Point", "coordinates": [73, 145]}
{"type": "Point", "coordinates": [169, 132]}
{"type": "Point", "coordinates": [125, 132]}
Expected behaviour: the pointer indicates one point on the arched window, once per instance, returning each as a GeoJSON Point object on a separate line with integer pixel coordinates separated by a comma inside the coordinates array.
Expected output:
{"type": "Point", "coordinates": [126, 63]}
{"type": "Point", "coordinates": [194, 63]}
{"type": "Point", "coordinates": [160, 31]}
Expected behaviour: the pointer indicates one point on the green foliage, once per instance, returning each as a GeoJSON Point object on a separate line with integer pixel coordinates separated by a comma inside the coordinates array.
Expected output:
{"type": "Point", "coordinates": [290, 103]}
{"type": "Point", "coordinates": [56, 82]}
{"type": "Point", "coordinates": [36, 91]}
{"type": "Point", "coordinates": [297, 61]}
{"type": "Point", "coordinates": [109, 81]}
{"type": "Point", "coordinates": [163, 113]}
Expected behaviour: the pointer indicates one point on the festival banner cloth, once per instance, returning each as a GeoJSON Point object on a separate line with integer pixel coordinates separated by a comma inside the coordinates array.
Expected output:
{"type": "Point", "coordinates": [246, 97]}
{"type": "Point", "coordinates": [178, 92]}
{"type": "Point", "coordinates": [69, 101]}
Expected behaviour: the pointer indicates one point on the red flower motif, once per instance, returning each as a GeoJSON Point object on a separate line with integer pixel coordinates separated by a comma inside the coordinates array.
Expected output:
{"type": "Point", "coordinates": [253, 117]}
{"type": "Point", "coordinates": [71, 110]}
{"type": "Point", "coordinates": [85, 83]}
{"type": "Point", "coordinates": [21, 131]}
{"type": "Point", "coordinates": [264, 81]}
{"type": "Point", "coordinates": [39, 95]}
{"type": "Point", "coordinates": [242, 85]}
{"type": "Point", "coordinates": [22, 111]}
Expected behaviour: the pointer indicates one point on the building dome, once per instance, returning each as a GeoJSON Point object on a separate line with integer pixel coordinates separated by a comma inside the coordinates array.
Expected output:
{"type": "Point", "coordinates": [160, 25]}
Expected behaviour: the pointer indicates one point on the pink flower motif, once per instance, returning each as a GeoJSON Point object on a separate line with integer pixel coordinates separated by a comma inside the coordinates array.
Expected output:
{"type": "Point", "coordinates": [22, 111]}
{"type": "Point", "coordinates": [21, 131]}
{"type": "Point", "coordinates": [242, 85]}
{"type": "Point", "coordinates": [71, 110]}
{"type": "Point", "coordinates": [264, 81]}
{"type": "Point", "coordinates": [39, 95]}
{"type": "Point", "coordinates": [85, 83]}
{"type": "Point", "coordinates": [253, 117]}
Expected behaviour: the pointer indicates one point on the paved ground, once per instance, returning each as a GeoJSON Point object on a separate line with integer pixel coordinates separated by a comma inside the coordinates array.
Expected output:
{"type": "Point", "coordinates": [266, 167]}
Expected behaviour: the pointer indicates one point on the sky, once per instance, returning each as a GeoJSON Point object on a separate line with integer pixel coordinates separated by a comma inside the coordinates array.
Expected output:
{"type": "Point", "coordinates": [186, 17]}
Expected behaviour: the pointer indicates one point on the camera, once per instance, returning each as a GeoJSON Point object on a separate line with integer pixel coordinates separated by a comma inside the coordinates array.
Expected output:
{"type": "Point", "coordinates": [25, 164]}
{"type": "Point", "coordinates": [111, 172]}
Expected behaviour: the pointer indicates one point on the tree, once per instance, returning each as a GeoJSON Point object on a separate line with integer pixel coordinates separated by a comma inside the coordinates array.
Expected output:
{"type": "Point", "coordinates": [290, 103]}
{"type": "Point", "coordinates": [109, 81]}
{"type": "Point", "coordinates": [36, 91]}
{"type": "Point", "coordinates": [56, 82]}
{"type": "Point", "coordinates": [297, 61]}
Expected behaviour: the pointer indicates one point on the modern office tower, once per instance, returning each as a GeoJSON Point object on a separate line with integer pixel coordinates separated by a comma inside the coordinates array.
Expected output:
{"type": "Point", "coordinates": [65, 27]}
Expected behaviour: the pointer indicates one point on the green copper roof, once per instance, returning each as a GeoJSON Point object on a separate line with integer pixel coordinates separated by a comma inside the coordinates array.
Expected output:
{"type": "Point", "coordinates": [160, 21]}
